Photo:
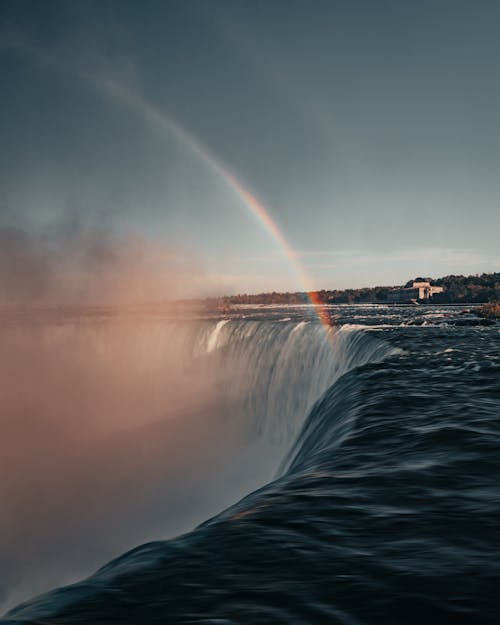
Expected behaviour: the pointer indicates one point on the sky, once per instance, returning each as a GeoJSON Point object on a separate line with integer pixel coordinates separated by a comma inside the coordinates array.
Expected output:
{"type": "Point", "coordinates": [365, 134]}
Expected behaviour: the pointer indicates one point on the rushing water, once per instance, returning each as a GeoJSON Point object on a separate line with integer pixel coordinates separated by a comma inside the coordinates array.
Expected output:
{"type": "Point", "coordinates": [384, 439]}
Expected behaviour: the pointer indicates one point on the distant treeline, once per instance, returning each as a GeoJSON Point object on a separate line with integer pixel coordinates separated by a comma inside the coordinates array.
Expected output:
{"type": "Point", "coordinates": [458, 289]}
{"type": "Point", "coordinates": [474, 289]}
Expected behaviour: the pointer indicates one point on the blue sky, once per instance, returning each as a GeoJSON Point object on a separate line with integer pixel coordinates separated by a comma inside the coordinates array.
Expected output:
{"type": "Point", "coordinates": [369, 131]}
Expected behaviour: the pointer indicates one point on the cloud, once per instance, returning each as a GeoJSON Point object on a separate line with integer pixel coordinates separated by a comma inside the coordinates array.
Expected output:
{"type": "Point", "coordinates": [441, 256]}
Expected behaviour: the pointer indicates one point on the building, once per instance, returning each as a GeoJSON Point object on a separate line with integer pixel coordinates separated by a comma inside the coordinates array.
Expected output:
{"type": "Point", "coordinates": [419, 290]}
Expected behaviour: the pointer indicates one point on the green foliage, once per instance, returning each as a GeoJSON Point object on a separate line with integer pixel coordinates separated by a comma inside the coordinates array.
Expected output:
{"type": "Point", "coordinates": [458, 289]}
{"type": "Point", "coordinates": [472, 289]}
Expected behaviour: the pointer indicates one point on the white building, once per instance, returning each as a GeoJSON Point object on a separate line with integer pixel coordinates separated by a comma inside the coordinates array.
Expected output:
{"type": "Point", "coordinates": [419, 290]}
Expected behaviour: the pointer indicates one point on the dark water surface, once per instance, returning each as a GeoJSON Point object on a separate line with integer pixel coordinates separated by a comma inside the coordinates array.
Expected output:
{"type": "Point", "coordinates": [386, 508]}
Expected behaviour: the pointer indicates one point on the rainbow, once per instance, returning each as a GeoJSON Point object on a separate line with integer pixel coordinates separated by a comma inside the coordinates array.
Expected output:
{"type": "Point", "coordinates": [138, 103]}
{"type": "Point", "coordinates": [264, 217]}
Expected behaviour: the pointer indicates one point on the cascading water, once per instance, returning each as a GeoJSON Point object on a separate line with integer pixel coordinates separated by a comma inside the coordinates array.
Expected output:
{"type": "Point", "coordinates": [179, 419]}
{"type": "Point", "coordinates": [384, 508]}
{"type": "Point", "coordinates": [284, 368]}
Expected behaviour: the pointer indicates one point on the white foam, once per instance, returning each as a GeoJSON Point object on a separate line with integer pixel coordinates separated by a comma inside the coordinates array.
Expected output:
{"type": "Point", "coordinates": [213, 339]}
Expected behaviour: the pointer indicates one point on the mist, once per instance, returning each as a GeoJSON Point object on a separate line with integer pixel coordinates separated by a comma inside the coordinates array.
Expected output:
{"type": "Point", "coordinates": [116, 428]}
{"type": "Point", "coordinates": [78, 265]}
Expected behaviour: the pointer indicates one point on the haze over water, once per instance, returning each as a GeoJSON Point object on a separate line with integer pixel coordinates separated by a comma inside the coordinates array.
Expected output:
{"type": "Point", "coordinates": [293, 464]}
